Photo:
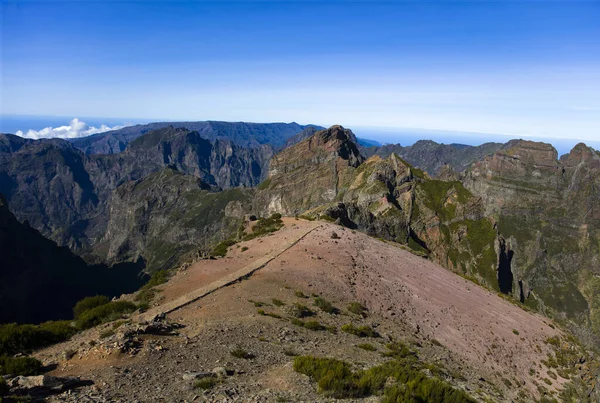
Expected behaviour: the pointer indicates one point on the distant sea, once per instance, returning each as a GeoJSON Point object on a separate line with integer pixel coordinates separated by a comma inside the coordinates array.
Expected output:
{"type": "Point", "coordinates": [403, 136]}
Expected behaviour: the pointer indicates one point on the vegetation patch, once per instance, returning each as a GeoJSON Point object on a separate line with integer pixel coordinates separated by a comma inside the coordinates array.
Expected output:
{"type": "Point", "coordinates": [336, 379]}
{"type": "Point", "coordinates": [309, 324]}
{"type": "Point", "coordinates": [25, 366]}
{"type": "Point", "coordinates": [360, 331]}
{"type": "Point", "coordinates": [301, 311]}
{"type": "Point", "coordinates": [367, 347]}
{"type": "Point", "coordinates": [206, 383]}
{"type": "Point", "coordinates": [241, 353]}
{"type": "Point", "coordinates": [105, 313]}
{"type": "Point", "coordinates": [357, 308]}
{"type": "Point", "coordinates": [221, 249]}
{"type": "Point", "coordinates": [326, 306]}
{"type": "Point", "coordinates": [277, 302]}
{"type": "Point", "coordinates": [265, 226]}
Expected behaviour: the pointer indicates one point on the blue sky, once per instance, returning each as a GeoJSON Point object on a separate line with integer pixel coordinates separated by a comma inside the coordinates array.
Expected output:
{"type": "Point", "coordinates": [515, 68]}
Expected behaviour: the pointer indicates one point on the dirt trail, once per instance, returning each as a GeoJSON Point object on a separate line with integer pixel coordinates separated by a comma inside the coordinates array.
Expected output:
{"type": "Point", "coordinates": [203, 291]}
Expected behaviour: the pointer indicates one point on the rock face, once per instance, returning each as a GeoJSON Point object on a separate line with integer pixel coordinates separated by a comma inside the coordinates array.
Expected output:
{"type": "Point", "coordinates": [240, 133]}
{"type": "Point", "coordinates": [433, 157]}
{"type": "Point", "coordinates": [168, 214]}
{"type": "Point", "coordinates": [40, 281]}
{"type": "Point", "coordinates": [548, 213]}
{"type": "Point", "coordinates": [326, 176]}
{"type": "Point", "coordinates": [64, 193]}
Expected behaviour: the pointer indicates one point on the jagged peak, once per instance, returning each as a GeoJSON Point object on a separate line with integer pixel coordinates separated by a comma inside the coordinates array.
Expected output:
{"type": "Point", "coordinates": [580, 153]}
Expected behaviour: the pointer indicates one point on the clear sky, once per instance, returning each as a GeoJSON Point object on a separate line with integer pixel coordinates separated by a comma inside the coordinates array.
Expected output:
{"type": "Point", "coordinates": [516, 68]}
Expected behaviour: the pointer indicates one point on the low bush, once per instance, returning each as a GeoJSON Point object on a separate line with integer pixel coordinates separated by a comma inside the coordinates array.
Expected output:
{"type": "Point", "coordinates": [357, 309]}
{"type": "Point", "coordinates": [105, 313]}
{"type": "Point", "coordinates": [336, 379]}
{"type": "Point", "coordinates": [265, 226]}
{"type": "Point", "coordinates": [366, 347]}
{"type": "Point", "coordinates": [89, 303]}
{"type": "Point", "coordinates": [16, 338]}
{"type": "Point", "coordinates": [241, 353]}
{"type": "Point", "coordinates": [221, 249]}
{"type": "Point", "coordinates": [277, 302]}
{"type": "Point", "coordinates": [360, 331]}
{"type": "Point", "coordinates": [310, 324]}
{"type": "Point", "coordinates": [25, 366]}
{"type": "Point", "coordinates": [206, 383]}
{"type": "Point", "coordinates": [326, 306]}
{"type": "Point", "coordinates": [301, 311]}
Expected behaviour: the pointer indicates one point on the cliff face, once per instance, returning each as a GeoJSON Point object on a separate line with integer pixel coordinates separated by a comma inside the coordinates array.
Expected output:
{"type": "Point", "coordinates": [41, 281]}
{"type": "Point", "coordinates": [169, 214]}
{"type": "Point", "coordinates": [547, 212]}
{"type": "Point", "coordinates": [325, 175]}
{"type": "Point", "coordinates": [65, 194]}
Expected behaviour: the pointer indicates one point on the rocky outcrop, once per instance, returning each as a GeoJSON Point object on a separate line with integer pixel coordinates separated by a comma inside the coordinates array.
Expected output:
{"type": "Point", "coordinates": [547, 210]}
{"type": "Point", "coordinates": [433, 157]}
{"type": "Point", "coordinates": [326, 176]}
{"type": "Point", "coordinates": [40, 281]}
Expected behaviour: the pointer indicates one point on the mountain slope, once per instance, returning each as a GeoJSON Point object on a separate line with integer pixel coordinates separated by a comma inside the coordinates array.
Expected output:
{"type": "Point", "coordinates": [65, 193]}
{"type": "Point", "coordinates": [326, 175]}
{"type": "Point", "coordinates": [448, 327]}
{"type": "Point", "coordinates": [40, 281]}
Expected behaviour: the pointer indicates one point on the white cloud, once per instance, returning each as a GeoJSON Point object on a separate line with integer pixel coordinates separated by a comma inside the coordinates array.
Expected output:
{"type": "Point", "coordinates": [75, 129]}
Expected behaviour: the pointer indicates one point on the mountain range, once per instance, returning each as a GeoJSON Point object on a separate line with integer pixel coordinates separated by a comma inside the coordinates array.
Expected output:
{"type": "Point", "coordinates": [176, 192]}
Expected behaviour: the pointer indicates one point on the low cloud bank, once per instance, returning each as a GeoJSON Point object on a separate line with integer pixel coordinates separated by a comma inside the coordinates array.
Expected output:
{"type": "Point", "coordinates": [75, 129]}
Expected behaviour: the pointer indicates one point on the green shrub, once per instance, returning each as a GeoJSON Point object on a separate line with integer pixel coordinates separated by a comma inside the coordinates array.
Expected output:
{"type": "Point", "coordinates": [360, 331]}
{"type": "Point", "coordinates": [301, 311]}
{"type": "Point", "coordinates": [241, 353]}
{"type": "Point", "coordinates": [336, 379]}
{"type": "Point", "coordinates": [326, 306]}
{"type": "Point", "coordinates": [277, 302]}
{"type": "Point", "coordinates": [221, 248]}
{"type": "Point", "coordinates": [310, 324]}
{"type": "Point", "coordinates": [357, 309]}
{"type": "Point", "coordinates": [515, 331]}
{"type": "Point", "coordinates": [105, 313]}
{"type": "Point", "coordinates": [26, 338]}
{"type": "Point", "coordinates": [206, 383]}
{"type": "Point", "coordinates": [366, 347]}
{"type": "Point", "coordinates": [25, 366]}
{"type": "Point", "coordinates": [89, 303]}
{"type": "Point", "coordinates": [265, 226]}
{"type": "Point", "coordinates": [300, 294]}
{"type": "Point", "coordinates": [244, 248]}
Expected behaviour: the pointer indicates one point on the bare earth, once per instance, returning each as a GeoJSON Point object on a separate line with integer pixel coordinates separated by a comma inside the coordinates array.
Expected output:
{"type": "Point", "coordinates": [496, 346]}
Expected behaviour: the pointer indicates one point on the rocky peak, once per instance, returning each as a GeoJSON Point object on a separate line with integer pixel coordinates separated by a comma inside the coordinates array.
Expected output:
{"type": "Point", "coordinates": [581, 153]}
{"type": "Point", "coordinates": [335, 144]}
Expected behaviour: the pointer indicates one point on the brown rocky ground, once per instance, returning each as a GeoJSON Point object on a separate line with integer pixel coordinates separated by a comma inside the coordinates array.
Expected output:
{"type": "Point", "coordinates": [485, 345]}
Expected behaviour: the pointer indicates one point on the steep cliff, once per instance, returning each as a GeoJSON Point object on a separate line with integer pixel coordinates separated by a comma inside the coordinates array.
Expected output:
{"type": "Point", "coordinates": [547, 212]}
{"type": "Point", "coordinates": [168, 214]}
